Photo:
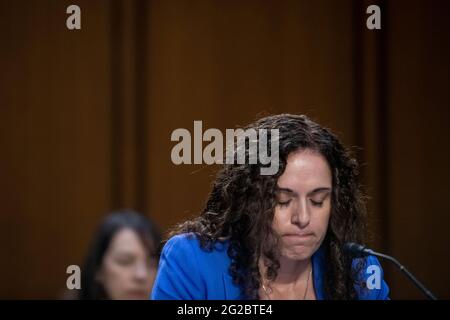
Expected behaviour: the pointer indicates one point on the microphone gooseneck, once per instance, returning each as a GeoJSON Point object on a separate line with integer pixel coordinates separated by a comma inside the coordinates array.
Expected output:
{"type": "Point", "coordinates": [360, 251]}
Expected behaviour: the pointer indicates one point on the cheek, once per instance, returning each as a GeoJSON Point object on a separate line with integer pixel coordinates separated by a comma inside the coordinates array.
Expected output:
{"type": "Point", "coordinates": [115, 278]}
{"type": "Point", "coordinates": [320, 220]}
{"type": "Point", "coordinates": [279, 219]}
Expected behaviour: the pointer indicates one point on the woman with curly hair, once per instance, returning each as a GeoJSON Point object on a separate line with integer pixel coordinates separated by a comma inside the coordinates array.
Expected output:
{"type": "Point", "coordinates": [276, 236]}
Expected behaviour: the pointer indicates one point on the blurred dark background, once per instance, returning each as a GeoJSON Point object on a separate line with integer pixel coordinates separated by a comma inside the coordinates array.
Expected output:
{"type": "Point", "coordinates": [86, 117]}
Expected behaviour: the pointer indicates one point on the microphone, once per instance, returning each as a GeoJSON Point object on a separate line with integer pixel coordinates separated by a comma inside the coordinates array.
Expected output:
{"type": "Point", "coordinates": [359, 251]}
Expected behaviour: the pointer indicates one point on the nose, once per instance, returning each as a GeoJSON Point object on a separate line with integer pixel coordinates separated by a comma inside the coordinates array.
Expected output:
{"type": "Point", "coordinates": [301, 215]}
{"type": "Point", "coordinates": [140, 272]}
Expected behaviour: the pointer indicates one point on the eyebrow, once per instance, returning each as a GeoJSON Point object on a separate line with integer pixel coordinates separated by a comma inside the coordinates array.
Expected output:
{"type": "Point", "coordinates": [295, 194]}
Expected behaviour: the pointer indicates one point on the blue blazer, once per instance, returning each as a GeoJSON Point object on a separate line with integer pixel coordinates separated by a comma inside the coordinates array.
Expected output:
{"type": "Point", "coordinates": [186, 272]}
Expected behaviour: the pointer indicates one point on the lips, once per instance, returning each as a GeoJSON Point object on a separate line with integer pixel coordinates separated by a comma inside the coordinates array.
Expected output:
{"type": "Point", "coordinates": [137, 294]}
{"type": "Point", "coordinates": [297, 237]}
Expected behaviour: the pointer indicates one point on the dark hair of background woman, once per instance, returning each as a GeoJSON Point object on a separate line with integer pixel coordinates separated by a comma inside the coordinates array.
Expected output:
{"type": "Point", "coordinates": [240, 208]}
{"type": "Point", "coordinates": [113, 223]}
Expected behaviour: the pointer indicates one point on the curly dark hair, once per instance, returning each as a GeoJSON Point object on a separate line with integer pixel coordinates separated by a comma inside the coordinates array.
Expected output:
{"type": "Point", "coordinates": [240, 209]}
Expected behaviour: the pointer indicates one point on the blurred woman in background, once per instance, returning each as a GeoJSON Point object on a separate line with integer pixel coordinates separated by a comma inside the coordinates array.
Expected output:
{"type": "Point", "coordinates": [122, 260]}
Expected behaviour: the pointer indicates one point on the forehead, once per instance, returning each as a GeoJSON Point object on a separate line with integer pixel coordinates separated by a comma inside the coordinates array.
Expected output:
{"type": "Point", "coordinates": [126, 240]}
{"type": "Point", "coordinates": [305, 171]}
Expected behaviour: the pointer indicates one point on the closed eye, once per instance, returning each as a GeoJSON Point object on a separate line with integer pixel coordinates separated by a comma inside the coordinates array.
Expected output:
{"type": "Point", "coordinates": [317, 203]}
{"type": "Point", "coordinates": [125, 262]}
{"type": "Point", "coordinates": [284, 203]}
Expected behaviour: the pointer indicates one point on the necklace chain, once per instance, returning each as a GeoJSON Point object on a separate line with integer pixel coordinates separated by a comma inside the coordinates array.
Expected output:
{"type": "Point", "coordinates": [304, 296]}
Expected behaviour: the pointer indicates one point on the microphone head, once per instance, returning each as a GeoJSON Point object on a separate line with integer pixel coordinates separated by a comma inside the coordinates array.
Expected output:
{"type": "Point", "coordinates": [355, 249]}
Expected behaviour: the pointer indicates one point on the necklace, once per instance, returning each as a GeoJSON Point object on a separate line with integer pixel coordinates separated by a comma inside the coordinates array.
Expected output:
{"type": "Point", "coordinates": [268, 291]}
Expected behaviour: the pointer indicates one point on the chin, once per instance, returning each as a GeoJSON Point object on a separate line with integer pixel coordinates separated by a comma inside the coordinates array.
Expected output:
{"type": "Point", "coordinates": [298, 253]}
{"type": "Point", "coordinates": [135, 297]}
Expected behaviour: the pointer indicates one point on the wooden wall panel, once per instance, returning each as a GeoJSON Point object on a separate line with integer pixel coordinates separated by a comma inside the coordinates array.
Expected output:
{"type": "Point", "coordinates": [55, 141]}
{"type": "Point", "coordinates": [227, 62]}
{"type": "Point", "coordinates": [419, 112]}
{"type": "Point", "coordinates": [86, 116]}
